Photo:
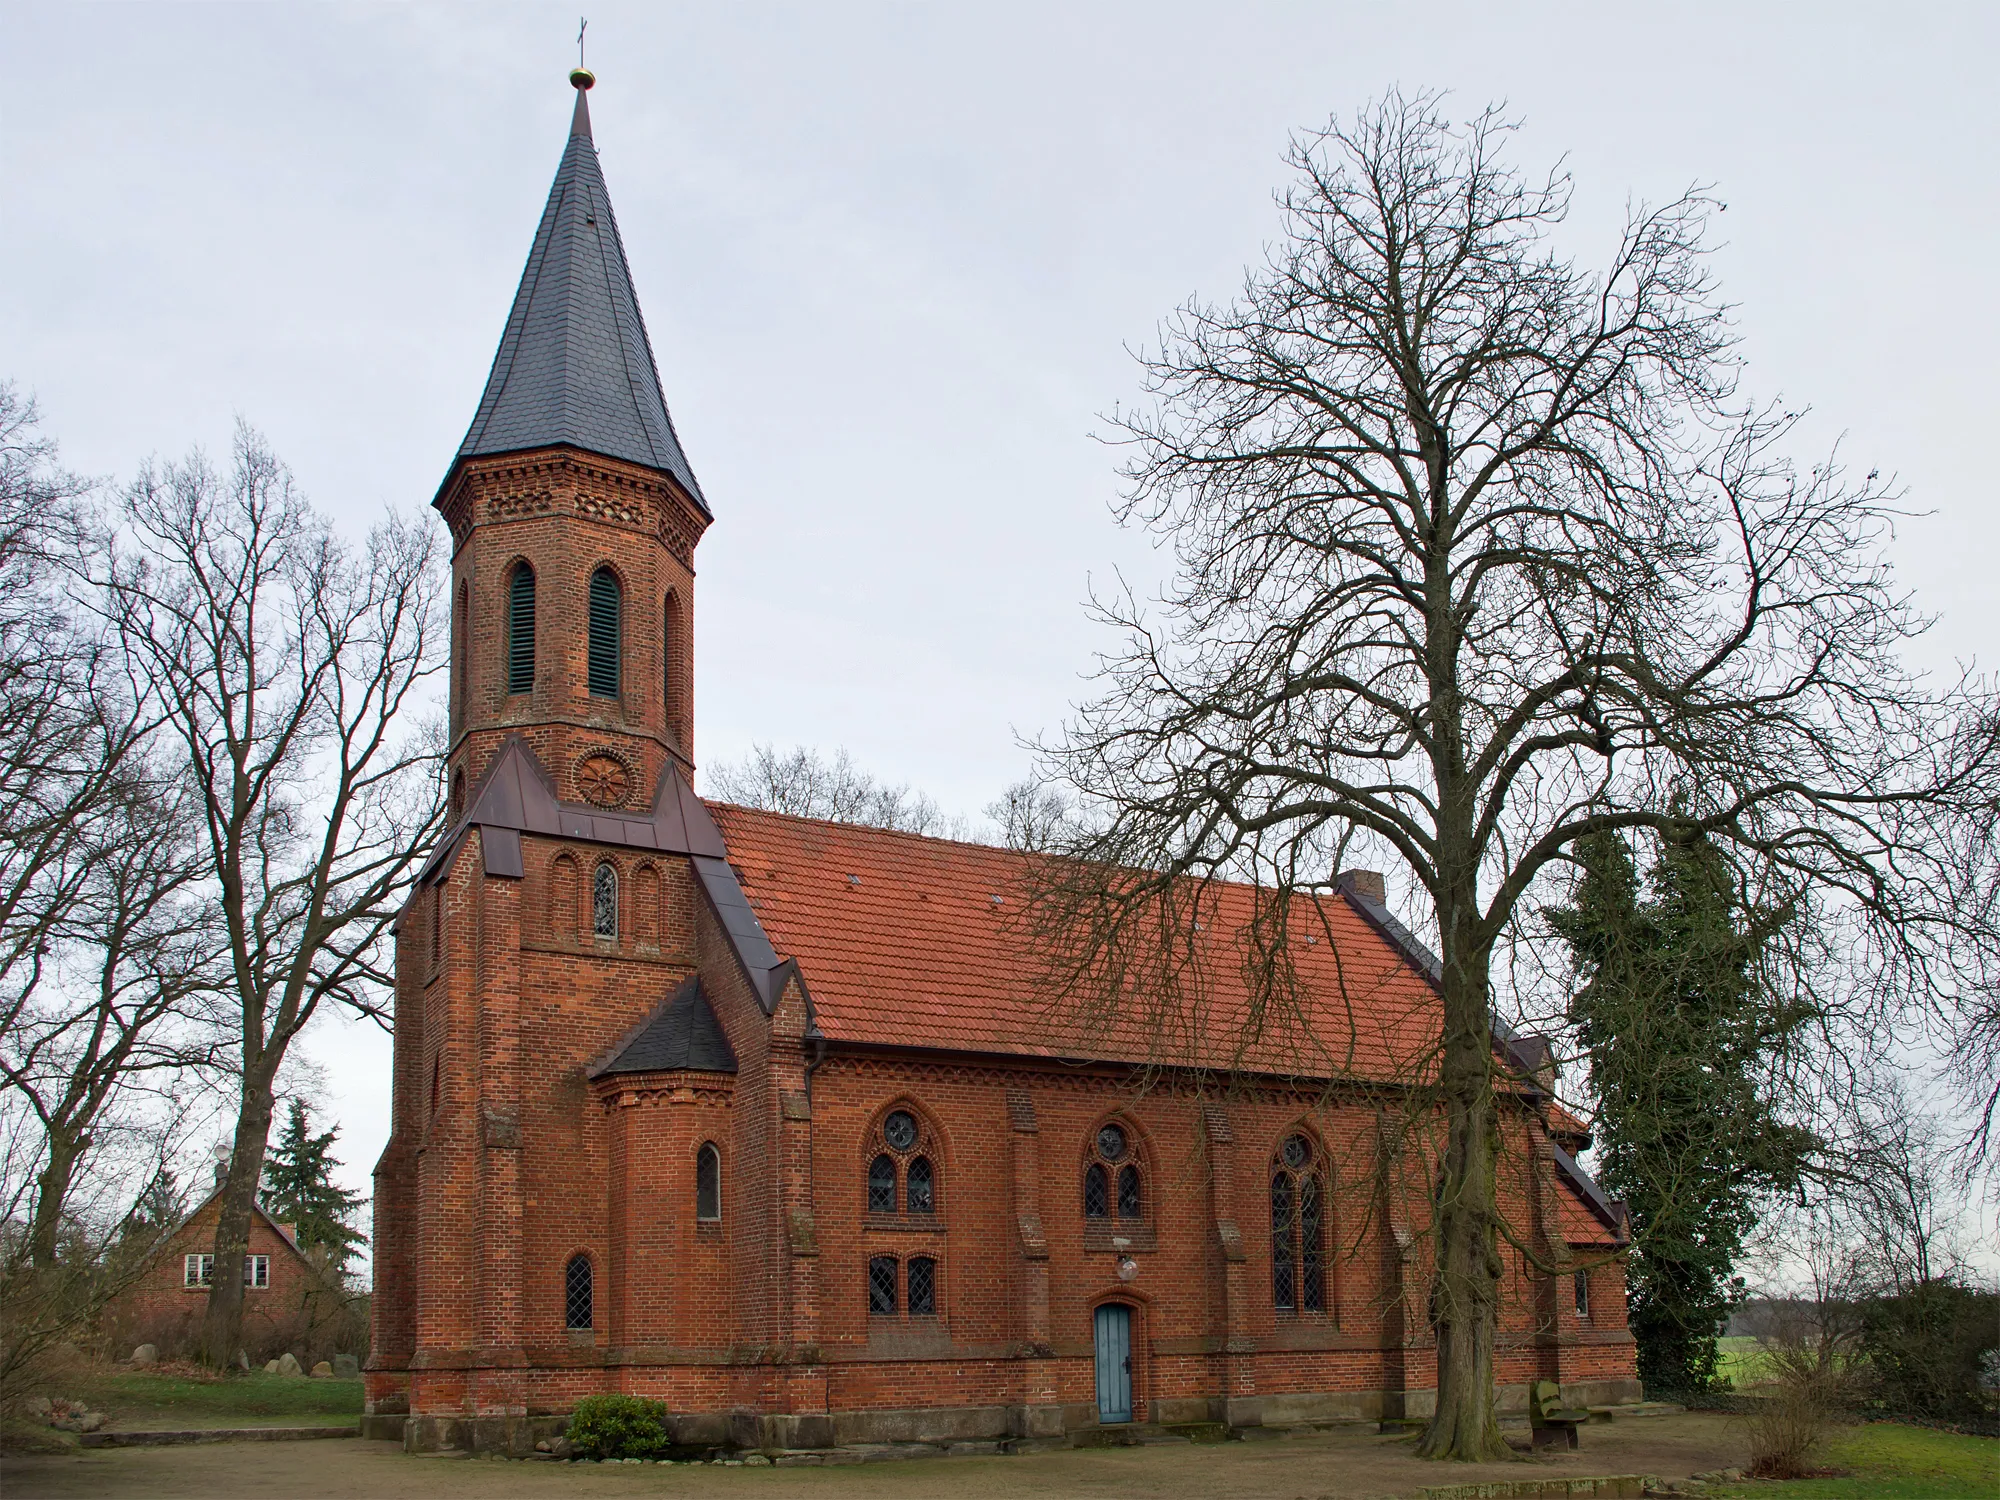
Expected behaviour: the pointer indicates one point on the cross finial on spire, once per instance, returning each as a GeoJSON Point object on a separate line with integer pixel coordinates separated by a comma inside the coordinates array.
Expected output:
{"type": "Point", "coordinates": [581, 78]}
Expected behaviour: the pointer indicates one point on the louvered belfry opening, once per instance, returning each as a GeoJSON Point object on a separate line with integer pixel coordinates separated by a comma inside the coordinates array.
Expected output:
{"type": "Point", "coordinates": [521, 629]}
{"type": "Point", "coordinates": [605, 626]}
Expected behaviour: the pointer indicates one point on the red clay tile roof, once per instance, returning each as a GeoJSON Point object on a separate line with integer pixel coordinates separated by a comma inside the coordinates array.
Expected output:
{"type": "Point", "coordinates": [913, 941]}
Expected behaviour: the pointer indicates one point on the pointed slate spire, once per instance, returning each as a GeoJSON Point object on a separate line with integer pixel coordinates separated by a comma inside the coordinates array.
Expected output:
{"type": "Point", "coordinates": [575, 366]}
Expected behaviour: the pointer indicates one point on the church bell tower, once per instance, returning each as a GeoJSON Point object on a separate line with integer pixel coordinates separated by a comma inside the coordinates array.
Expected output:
{"type": "Point", "coordinates": [574, 517]}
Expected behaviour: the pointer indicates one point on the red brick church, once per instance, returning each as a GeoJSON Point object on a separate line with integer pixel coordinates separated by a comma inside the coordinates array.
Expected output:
{"type": "Point", "coordinates": [757, 1115]}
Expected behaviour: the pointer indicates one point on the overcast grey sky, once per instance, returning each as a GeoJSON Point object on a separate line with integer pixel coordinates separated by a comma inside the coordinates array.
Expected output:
{"type": "Point", "coordinates": [892, 256]}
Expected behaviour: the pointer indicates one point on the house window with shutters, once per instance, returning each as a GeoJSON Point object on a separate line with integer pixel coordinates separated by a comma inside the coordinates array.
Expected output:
{"type": "Point", "coordinates": [606, 628]}
{"type": "Point", "coordinates": [521, 629]}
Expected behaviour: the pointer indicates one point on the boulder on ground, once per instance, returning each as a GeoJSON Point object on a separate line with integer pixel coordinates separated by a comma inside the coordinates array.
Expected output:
{"type": "Point", "coordinates": [39, 1407]}
{"type": "Point", "coordinates": [271, 1366]}
{"type": "Point", "coordinates": [560, 1447]}
{"type": "Point", "coordinates": [288, 1364]}
{"type": "Point", "coordinates": [323, 1370]}
{"type": "Point", "coordinates": [242, 1360]}
{"type": "Point", "coordinates": [346, 1367]}
{"type": "Point", "coordinates": [146, 1354]}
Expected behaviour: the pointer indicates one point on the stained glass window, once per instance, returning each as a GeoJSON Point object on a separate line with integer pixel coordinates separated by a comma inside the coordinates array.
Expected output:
{"type": "Point", "coordinates": [604, 901]}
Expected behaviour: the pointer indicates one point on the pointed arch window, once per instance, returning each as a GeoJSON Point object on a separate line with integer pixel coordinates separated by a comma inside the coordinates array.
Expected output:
{"type": "Point", "coordinates": [1112, 1181]}
{"type": "Point", "coordinates": [521, 629]}
{"type": "Point", "coordinates": [920, 1187]}
{"type": "Point", "coordinates": [670, 640]}
{"type": "Point", "coordinates": [606, 628]}
{"type": "Point", "coordinates": [578, 1302]}
{"type": "Point", "coordinates": [708, 1183]}
{"type": "Point", "coordinates": [461, 647]}
{"type": "Point", "coordinates": [1298, 1229]}
{"type": "Point", "coordinates": [604, 901]}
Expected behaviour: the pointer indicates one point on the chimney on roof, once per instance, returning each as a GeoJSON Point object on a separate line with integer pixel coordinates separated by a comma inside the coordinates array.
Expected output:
{"type": "Point", "coordinates": [1367, 884]}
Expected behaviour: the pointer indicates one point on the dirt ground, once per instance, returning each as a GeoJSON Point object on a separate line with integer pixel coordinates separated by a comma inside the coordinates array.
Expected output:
{"type": "Point", "coordinates": [1303, 1468]}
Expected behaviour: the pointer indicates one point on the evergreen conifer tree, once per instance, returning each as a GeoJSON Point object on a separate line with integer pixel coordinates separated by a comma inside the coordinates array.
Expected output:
{"type": "Point", "coordinates": [1682, 1031]}
{"type": "Point", "coordinates": [299, 1189]}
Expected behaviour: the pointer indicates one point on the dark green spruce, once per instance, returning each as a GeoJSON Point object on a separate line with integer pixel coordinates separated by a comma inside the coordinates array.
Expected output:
{"type": "Point", "coordinates": [1683, 1037]}
{"type": "Point", "coordinates": [299, 1189]}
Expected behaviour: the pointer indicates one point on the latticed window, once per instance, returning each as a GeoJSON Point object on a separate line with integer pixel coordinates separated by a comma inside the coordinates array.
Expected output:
{"type": "Point", "coordinates": [708, 1182]}
{"type": "Point", "coordinates": [918, 1187]}
{"type": "Point", "coordinates": [1298, 1229]}
{"type": "Point", "coordinates": [1129, 1205]}
{"type": "Point", "coordinates": [604, 901]}
{"type": "Point", "coordinates": [606, 628]}
{"type": "Point", "coordinates": [577, 1298]}
{"type": "Point", "coordinates": [1111, 1160]}
{"type": "Point", "coordinates": [1096, 1192]}
{"type": "Point", "coordinates": [882, 1284]}
{"type": "Point", "coordinates": [521, 629]}
{"type": "Point", "coordinates": [882, 1185]}
{"type": "Point", "coordinates": [923, 1287]}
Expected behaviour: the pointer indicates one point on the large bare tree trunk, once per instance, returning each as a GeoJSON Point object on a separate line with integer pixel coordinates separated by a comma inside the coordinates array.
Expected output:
{"type": "Point", "coordinates": [51, 1193]}
{"type": "Point", "coordinates": [1466, 1298]}
{"type": "Point", "coordinates": [222, 1326]}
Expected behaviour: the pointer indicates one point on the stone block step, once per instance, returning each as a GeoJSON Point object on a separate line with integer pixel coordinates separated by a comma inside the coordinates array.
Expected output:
{"type": "Point", "coordinates": [164, 1437]}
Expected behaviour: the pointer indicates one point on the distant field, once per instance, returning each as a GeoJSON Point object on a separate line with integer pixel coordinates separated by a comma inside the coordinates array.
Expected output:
{"type": "Point", "coordinates": [1744, 1361]}
{"type": "Point", "coordinates": [1889, 1461]}
{"type": "Point", "coordinates": [149, 1399]}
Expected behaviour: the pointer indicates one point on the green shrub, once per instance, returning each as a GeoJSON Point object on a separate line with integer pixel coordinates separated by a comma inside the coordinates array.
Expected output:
{"type": "Point", "coordinates": [618, 1427]}
{"type": "Point", "coordinates": [1926, 1349]}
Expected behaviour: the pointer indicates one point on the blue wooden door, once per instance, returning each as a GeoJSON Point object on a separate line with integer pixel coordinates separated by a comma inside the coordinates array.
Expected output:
{"type": "Point", "coordinates": [1114, 1363]}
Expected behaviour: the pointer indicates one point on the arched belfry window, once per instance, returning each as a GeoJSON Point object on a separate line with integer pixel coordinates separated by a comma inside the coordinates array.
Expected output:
{"type": "Point", "coordinates": [604, 901]}
{"type": "Point", "coordinates": [1112, 1182]}
{"type": "Point", "coordinates": [708, 1183]}
{"type": "Point", "coordinates": [670, 642]}
{"type": "Point", "coordinates": [606, 627]}
{"type": "Point", "coordinates": [577, 1298]}
{"type": "Point", "coordinates": [1298, 1228]}
{"type": "Point", "coordinates": [461, 648]}
{"type": "Point", "coordinates": [521, 629]}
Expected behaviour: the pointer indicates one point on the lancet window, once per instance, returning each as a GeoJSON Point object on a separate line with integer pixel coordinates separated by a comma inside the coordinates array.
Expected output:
{"type": "Point", "coordinates": [1298, 1228]}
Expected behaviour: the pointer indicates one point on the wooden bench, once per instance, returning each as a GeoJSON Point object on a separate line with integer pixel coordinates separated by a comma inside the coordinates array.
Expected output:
{"type": "Point", "coordinates": [1553, 1424]}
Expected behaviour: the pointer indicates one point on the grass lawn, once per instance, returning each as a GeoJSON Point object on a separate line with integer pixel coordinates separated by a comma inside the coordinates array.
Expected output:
{"type": "Point", "coordinates": [165, 1399]}
{"type": "Point", "coordinates": [1888, 1461]}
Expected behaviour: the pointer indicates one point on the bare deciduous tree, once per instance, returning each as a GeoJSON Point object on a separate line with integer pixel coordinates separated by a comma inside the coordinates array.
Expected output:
{"type": "Point", "coordinates": [99, 949]}
{"type": "Point", "coordinates": [290, 673]}
{"type": "Point", "coordinates": [1481, 553]}
{"type": "Point", "coordinates": [807, 784]}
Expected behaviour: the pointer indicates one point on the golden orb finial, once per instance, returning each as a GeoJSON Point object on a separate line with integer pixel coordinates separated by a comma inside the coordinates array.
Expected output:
{"type": "Point", "coordinates": [581, 78]}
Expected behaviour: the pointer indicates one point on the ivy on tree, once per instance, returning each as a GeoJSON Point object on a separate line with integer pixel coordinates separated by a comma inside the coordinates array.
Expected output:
{"type": "Point", "coordinates": [299, 1189]}
{"type": "Point", "coordinates": [1682, 1031]}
